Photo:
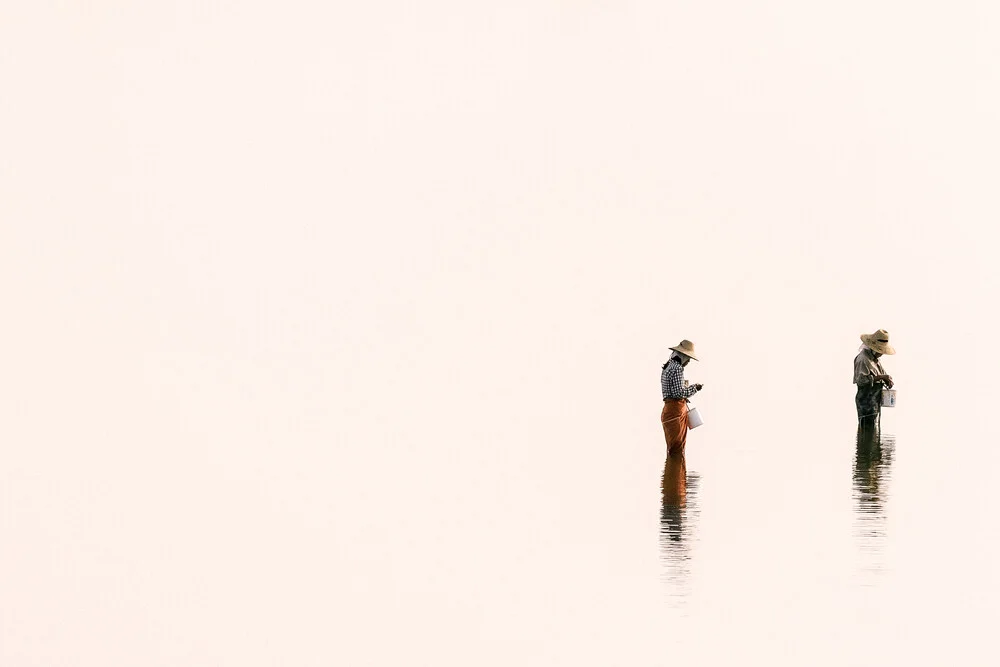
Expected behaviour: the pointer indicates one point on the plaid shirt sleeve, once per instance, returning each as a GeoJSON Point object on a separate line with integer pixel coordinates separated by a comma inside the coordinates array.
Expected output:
{"type": "Point", "coordinates": [672, 382]}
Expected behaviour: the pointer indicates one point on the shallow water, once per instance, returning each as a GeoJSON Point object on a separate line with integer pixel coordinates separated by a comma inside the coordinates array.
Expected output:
{"type": "Point", "coordinates": [872, 476]}
{"type": "Point", "coordinates": [801, 544]}
{"type": "Point", "coordinates": [333, 333]}
{"type": "Point", "coordinates": [825, 546]}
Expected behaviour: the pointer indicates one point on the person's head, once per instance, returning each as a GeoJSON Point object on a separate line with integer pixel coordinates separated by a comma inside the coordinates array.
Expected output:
{"type": "Point", "coordinates": [878, 343]}
{"type": "Point", "coordinates": [683, 352]}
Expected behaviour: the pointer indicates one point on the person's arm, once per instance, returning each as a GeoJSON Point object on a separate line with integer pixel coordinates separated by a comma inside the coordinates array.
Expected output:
{"type": "Point", "coordinates": [692, 390]}
{"type": "Point", "coordinates": [870, 379]}
{"type": "Point", "coordinates": [685, 390]}
{"type": "Point", "coordinates": [864, 377]}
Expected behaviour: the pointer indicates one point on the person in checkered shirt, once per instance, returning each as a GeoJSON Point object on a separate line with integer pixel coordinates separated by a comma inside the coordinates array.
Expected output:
{"type": "Point", "coordinates": [676, 390]}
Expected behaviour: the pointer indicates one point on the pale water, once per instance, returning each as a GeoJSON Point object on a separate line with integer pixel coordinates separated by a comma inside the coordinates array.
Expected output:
{"type": "Point", "coordinates": [779, 540]}
{"type": "Point", "coordinates": [333, 331]}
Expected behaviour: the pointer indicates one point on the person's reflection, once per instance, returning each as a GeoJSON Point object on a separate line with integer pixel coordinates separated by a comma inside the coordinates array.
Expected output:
{"type": "Point", "coordinates": [679, 495]}
{"type": "Point", "coordinates": [872, 462]}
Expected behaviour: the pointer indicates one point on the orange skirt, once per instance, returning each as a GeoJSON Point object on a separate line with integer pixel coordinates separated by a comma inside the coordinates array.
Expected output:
{"type": "Point", "coordinates": [675, 425]}
{"type": "Point", "coordinates": [674, 481]}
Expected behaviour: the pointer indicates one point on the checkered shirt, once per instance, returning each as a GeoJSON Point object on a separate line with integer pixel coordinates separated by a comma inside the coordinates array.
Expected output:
{"type": "Point", "coordinates": [672, 382]}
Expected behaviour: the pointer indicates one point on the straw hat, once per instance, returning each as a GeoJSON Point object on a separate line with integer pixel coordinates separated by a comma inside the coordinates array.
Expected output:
{"type": "Point", "coordinates": [878, 341]}
{"type": "Point", "coordinates": [686, 348]}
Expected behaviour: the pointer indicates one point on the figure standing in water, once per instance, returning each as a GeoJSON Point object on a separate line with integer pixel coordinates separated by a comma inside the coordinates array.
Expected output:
{"type": "Point", "coordinates": [676, 391]}
{"type": "Point", "coordinates": [871, 377]}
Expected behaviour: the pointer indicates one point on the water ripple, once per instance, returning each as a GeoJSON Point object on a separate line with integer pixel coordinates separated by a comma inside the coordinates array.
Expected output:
{"type": "Point", "coordinates": [678, 519]}
{"type": "Point", "coordinates": [870, 492]}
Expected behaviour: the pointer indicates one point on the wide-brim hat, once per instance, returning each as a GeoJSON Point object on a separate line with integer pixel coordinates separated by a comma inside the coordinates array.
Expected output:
{"type": "Point", "coordinates": [686, 348]}
{"type": "Point", "coordinates": [878, 342]}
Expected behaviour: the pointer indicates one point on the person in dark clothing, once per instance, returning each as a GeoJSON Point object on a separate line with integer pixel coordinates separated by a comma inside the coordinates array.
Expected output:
{"type": "Point", "coordinates": [870, 377]}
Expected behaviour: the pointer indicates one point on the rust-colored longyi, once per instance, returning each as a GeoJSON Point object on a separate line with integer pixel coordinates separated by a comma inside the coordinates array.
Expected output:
{"type": "Point", "coordinates": [675, 425]}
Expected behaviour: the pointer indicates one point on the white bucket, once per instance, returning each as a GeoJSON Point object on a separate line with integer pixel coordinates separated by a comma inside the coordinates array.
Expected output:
{"type": "Point", "coordinates": [888, 398]}
{"type": "Point", "coordinates": [694, 418]}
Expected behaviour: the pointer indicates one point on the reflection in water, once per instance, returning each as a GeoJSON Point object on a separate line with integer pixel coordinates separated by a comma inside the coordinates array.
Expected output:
{"type": "Point", "coordinates": [679, 512]}
{"type": "Point", "coordinates": [872, 464]}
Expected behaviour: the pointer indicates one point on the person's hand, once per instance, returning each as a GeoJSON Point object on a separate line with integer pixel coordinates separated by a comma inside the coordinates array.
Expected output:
{"type": "Point", "coordinates": [888, 380]}
{"type": "Point", "coordinates": [698, 387]}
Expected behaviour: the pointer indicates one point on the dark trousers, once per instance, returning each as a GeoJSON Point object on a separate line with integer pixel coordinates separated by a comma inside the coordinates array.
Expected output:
{"type": "Point", "coordinates": [868, 400]}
